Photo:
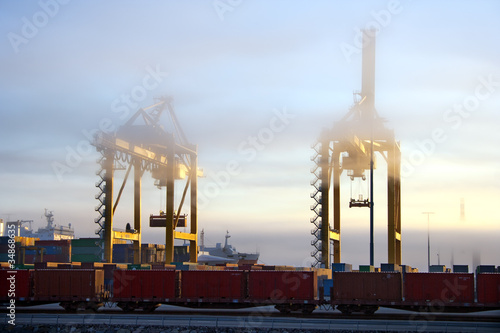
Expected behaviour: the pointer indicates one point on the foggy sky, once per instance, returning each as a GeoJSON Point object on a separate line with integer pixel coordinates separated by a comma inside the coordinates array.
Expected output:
{"type": "Point", "coordinates": [236, 71]}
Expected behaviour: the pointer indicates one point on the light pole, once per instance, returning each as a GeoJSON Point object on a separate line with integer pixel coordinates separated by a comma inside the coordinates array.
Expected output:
{"type": "Point", "coordinates": [428, 241]}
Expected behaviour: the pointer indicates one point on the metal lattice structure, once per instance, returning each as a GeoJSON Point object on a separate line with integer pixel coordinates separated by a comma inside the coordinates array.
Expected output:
{"type": "Point", "coordinates": [350, 145]}
{"type": "Point", "coordinates": [147, 147]}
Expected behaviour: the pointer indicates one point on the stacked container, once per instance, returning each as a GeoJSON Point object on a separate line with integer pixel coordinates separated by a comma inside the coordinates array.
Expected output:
{"type": "Point", "coordinates": [86, 250]}
{"type": "Point", "coordinates": [460, 269]}
{"type": "Point", "coordinates": [55, 251]}
{"type": "Point", "coordinates": [123, 253]}
{"type": "Point", "coordinates": [341, 267]}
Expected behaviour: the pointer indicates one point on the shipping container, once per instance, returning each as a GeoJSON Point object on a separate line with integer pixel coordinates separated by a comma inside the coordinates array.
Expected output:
{"type": "Point", "coordinates": [144, 285]}
{"type": "Point", "coordinates": [341, 267]}
{"type": "Point", "coordinates": [85, 242]}
{"type": "Point", "coordinates": [6, 265]}
{"type": "Point", "coordinates": [460, 268]}
{"type": "Point", "coordinates": [21, 266]}
{"type": "Point", "coordinates": [437, 269]}
{"type": "Point", "coordinates": [488, 288]}
{"type": "Point", "coordinates": [485, 269]}
{"type": "Point", "coordinates": [218, 286]}
{"type": "Point", "coordinates": [162, 266]}
{"type": "Point", "coordinates": [442, 287]}
{"type": "Point", "coordinates": [68, 284]}
{"type": "Point", "coordinates": [139, 266]}
{"type": "Point", "coordinates": [327, 287]}
{"type": "Point", "coordinates": [366, 286]}
{"type": "Point", "coordinates": [366, 268]}
{"type": "Point", "coordinates": [86, 250]}
{"type": "Point", "coordinates": [86, 258]}
{"type": "Point", "coordinates": [17, 281]}
{"type": "Point", "coordinates": [282, 285]}
{"type": "Point", "coordinates": [406, 268]}
{"type": "Point", "coordinates": [92, 265]}
{"type": "Point", "coordinates": [390, 268]}
{"type": "Point", "coordinates": [45, 265]}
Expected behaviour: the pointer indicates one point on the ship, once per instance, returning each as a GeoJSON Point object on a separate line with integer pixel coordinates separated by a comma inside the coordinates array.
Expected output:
{"type": "Point", "coordinates": [51, 231]}
{"type": "Point", "coordinates": [226, 253]}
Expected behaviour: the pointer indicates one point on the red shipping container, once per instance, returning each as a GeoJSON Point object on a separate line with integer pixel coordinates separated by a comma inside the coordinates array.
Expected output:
{"type": "Point", "coordinates": [282, 285]}
{"type": "Point", "coordinates": [66, 284]}
{"type": "Point", "coordinates": [488, 288]}
{"type": "Point", "coordinates": [216, 285]}
{"type": "Point", "coordinates": [144, 284]}
{"type": "Point", "coordinates": [61, 242]}
{"type": "Point", "coordinates": [20, 281]}
{"type": "Point", "coordinates": [444, 287]}
{"type": "Point", "coordinates": [367, 286]}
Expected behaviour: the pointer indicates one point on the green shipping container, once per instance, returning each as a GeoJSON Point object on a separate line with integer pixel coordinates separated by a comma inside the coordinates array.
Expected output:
{"type": "Point", "coordinates": [86, 250]}
{"type": "Point", "coordinates": [85, 258]}
{"type": "Point", "coordinates": [85, 242]}
{"type": "Point", "coordinates": [366, 268]}
{"type": "Point", "coordinates": [137, 267]}
{"type": "Point", "coordinates": [27, 266]}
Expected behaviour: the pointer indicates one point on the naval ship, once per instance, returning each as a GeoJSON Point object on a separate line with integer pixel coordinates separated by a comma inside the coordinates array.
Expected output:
{"type": "Point", "coordinates": [50, 232]}
{"type": "Point", "coordinates": [226, 253]}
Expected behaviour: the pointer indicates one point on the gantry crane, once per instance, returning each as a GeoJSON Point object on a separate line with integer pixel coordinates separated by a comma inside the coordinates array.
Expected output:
{"type": "Point", "coordinates": [351, 146]}
{"type": "Point", "coordinates": [168, 156]}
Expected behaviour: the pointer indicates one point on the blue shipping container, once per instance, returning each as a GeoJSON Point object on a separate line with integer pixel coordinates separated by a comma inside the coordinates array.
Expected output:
{"type": "Point", "coordinates": [390, 268]}
{"type": "Point", "coordinates": [341, 267]}
{"type": "Point", "coordinates": [327, 287]}
{"type": "Point", "coordinates": [460, 268]}
{"type": "Point", "coordinates": [485, 269]}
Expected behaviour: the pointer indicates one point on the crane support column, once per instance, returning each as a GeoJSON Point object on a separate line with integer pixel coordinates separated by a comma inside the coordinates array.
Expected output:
{"type": "Point", "coordinates": [336, 202]}
{"type": "Point", "coordinates": [325, 199]}
{"type": "Point", "coordinates": [137, 208]}
{"type": "Point", "coordinates": [394, 203]}
{"type": "Point", "coordinates": [368, 72]}
{"type": "Point", "coordinates": [193, 244]}
{"type": "Point", "coordinates": [397, 198]}
{"type": "Point", "coordinates": [169, 233]}
{"type": "Point", "coordinates": [109, 156]}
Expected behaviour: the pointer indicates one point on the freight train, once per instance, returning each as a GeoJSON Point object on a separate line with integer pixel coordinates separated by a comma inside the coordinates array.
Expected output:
{"type": "Point", "coordinates": [288, 291]}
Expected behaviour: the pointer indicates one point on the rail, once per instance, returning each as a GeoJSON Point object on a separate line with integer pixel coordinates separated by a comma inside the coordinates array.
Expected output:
{"type": "Point", "coordinates": [254, 322]}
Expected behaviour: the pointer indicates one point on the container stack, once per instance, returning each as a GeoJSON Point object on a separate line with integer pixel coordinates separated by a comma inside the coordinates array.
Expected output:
{"type": "Point", "coordinates": [437, 269]}
{"type": "Point", "coordinates": [123, 253]}
{"type": "Point", "coordinates": [54, 251]}
{"type": "Point", "coordinates": [485, 269]}
{"type": "Point", "coordinates": [86, 250]}
{"type": "Point", "coordinates": [4, 249]}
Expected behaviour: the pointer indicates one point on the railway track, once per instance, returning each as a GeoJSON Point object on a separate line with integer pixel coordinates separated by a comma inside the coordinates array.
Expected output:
{"type": "Point", "coordinates": [229, 323]}
{"type": "Point", "coordinates": [270, 313]}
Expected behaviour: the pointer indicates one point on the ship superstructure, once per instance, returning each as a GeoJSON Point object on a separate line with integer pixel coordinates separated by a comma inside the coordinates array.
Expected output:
{"type": "Point", "coordinates": [51, 231]}
{"type": "Point", "coordinates": [229, 252]}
